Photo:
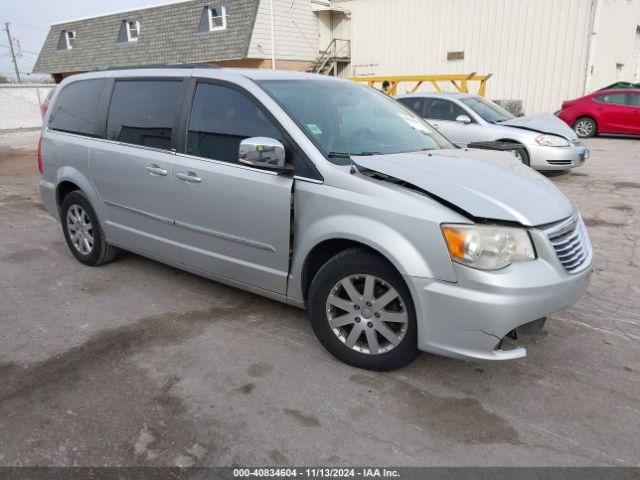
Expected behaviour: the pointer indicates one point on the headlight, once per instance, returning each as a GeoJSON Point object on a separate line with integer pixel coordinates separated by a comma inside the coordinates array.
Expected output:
{"type": "Point", "coordinates": [487, 247]}
{"type": "Point", "coordinates": [552, 141]}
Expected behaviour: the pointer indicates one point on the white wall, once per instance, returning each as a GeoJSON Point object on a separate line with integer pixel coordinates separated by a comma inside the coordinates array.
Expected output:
{"type": "Point", "coordinates": [613, 43]}
{"type": "Point", "coordinates": [20, 105]}
{"type": "Point", "coordinates": [536, 49]}
{"type": "Point", "coordinates": [296, 28]}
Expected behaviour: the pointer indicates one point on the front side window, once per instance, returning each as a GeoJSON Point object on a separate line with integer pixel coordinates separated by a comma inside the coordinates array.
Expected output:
{"type": "Point", "coordinates": [221, 118]}
{"type": "Point", "coordinates": [441, 109]}
{"type": "Point", "coordinates": [487, 110]}
{"type": "Point", "coordinates": [76, 108]}
{"type": "Point", "coordinates": [634, 99]}
{"type": "Point", "coordinates": [217, 18]}
{"type": "Point", "coordinates": [345, 118]}
{"type": "Point", "coordinates": [612, 98]}
{"type": "Point", "coordinates": [143, 112]}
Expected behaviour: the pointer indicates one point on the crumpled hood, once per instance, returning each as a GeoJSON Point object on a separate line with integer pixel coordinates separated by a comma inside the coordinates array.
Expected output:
{"type": "Point", "coordinates": [543, 123]}
{"type": "Point", "coordinates": [486, 184]}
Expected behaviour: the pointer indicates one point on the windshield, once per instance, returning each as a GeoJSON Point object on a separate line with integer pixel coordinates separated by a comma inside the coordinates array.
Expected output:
{"type": "Point", "coordinates": [345, 118]}
{"type": "Point", "coordinates": [489, 111]}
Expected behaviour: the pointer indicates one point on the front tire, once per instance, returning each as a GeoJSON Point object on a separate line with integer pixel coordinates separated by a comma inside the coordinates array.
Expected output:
{"type": "Point", "coordinates": [520, 153]}
{"type": "Point", "coordinates": [585, 127]}
{"type": "Point", "coordinates": [362, 312]}
{"type": "Point", "coordinates": [83, 232]}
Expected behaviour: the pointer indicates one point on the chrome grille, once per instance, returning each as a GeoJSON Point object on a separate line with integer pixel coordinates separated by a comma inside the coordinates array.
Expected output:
{"type": "Point", "coordinates": [571, 244]}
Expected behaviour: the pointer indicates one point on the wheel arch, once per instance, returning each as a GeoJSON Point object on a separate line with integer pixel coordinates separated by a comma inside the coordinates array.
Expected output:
{"type": "Point", "coordinates": [511, 140]}
{"type": "Point", "coordinates": [70, 179]}
{"type": "Point", "coordinates": [327, 249]}
{"type": "Point", "coordinates": [423, 255]}
{"type": "Point", "coordinates": [589, 116]}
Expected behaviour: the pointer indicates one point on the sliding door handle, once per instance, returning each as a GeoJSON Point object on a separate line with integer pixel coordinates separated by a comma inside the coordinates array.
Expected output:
{"type": "Point", "coordinates": [155, 169]}
{"type": "Point", "coordinates": [189, 177]}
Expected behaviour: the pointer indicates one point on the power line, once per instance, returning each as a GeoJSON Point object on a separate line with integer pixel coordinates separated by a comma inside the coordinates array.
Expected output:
{"type": "Point", "coordinates": [21, 50]}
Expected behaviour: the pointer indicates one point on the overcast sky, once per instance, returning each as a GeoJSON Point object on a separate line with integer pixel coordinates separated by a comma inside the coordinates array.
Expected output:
{"type": "Point", "coordinates": [30, 20]}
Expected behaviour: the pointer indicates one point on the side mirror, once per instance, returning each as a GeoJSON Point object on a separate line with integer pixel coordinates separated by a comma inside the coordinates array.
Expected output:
{"type": "Point", "coordinates": [463, 119]}
{"type": "Point", "coordinates": [263, 152]}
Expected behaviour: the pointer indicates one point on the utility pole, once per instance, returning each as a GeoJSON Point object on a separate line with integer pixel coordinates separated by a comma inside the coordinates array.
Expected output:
{"type": "Point", "coordinates": [13, 55]}
{"type": "Point", "coordinates": [273, 38]}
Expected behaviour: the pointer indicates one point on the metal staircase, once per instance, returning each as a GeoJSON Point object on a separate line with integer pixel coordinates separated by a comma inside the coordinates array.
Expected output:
{"type": "Point", "coordinates": [333, 59]}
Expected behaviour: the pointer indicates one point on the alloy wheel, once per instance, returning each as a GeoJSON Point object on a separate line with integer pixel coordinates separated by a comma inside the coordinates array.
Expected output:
{"type": "Point", "coordinates": [80, 229]}
{"type": "Point", "coordinates": [367, 314]}
{"type": "Point", "coordinates": [584, 128]}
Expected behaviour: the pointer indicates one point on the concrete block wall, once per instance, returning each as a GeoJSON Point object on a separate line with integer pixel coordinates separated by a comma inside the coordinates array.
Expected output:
{"type": "Point", "coordinates": [20, 105]}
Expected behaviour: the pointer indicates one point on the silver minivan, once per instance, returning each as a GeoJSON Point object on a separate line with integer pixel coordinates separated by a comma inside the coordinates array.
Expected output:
{"type": "Point", "coordinates": [318, 192]}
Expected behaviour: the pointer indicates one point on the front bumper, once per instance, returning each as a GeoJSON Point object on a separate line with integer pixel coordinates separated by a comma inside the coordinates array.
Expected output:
{"type": "Point", "coordinates": [468, 319]}
{"type": "Point", "coordinates": [557, 158]}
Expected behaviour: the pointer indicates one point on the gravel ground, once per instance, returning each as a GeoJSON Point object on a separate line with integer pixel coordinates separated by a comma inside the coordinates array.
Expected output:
{"type": "Point", "coordinates": [137, 363]}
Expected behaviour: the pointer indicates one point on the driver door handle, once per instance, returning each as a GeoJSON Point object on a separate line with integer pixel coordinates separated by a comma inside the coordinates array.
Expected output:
{"type": "Point", "coordinates": [155, 169]}
{"type": "Point", "coordinates": [189, 177]}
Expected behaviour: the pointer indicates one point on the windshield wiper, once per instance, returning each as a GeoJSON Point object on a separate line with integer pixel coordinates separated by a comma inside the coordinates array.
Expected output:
{"type": "Point", "coordinates": [349, 155]}
{"type": "Point", "coordinates": [338, 155]}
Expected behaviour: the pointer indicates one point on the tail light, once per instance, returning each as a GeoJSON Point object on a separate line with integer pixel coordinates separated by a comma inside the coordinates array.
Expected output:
{"type": "Point", "coordinates": [40, 169]}
{"type": "Point", "coordinates": [44, 107]}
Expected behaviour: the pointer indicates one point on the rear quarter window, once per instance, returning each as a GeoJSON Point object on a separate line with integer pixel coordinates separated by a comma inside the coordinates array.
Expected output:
{"type": "Point", "coordinates": [76, 108]}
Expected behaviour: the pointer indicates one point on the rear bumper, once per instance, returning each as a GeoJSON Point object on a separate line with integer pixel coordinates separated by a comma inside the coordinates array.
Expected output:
{"type": "Point", "coordinates": [48, 194]}
{"type": "Point", "coordinates": [467, 319]}
{"type": "Point", "coordinates": [557, 158]}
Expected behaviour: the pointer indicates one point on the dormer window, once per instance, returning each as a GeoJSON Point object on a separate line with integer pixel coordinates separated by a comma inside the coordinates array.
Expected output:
{"type": "Point", "coordinates": [67, 39]}
{"type": "Point", "coordinates": [71, 38]}
{"type": "Point", "coordinates": [133, 31]}
{"type": "Point", "coordinates": [217, 18]}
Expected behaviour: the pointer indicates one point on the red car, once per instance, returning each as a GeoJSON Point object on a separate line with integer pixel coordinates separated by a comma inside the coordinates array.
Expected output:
{"type": "Point", "coordinates": [606, 111]}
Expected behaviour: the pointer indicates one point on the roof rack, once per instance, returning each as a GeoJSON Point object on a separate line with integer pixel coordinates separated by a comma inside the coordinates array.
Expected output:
{"type": "Point", "coordinates": [179, 65]}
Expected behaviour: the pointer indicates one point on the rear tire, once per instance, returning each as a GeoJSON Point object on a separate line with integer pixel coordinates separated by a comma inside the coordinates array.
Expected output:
{"type": "Point", "coordinates": [377, 329]}
{"type": "Point", "coordinates": [585, 127]}
{"type": "Point", "coordinates": [83, 232]}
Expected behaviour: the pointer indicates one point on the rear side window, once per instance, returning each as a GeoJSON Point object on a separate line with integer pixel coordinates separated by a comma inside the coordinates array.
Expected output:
{"type": "Point", "coordinates": [143, 112]}
{"type": "Point", "coordinates": [612, 98]}
{"type": "Point", "coordinates": [634, 99]}
{"type": "Point", "coordinates": [415, 104]}
{"type": "Point", "coordinates": [439, 109]}
{"type": "Point", "coordinates": [221, 118]}
{"type": "Point", "coordinates": [76, 108]}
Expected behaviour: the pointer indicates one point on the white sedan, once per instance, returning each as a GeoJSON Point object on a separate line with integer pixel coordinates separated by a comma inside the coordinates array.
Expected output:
{"type": "Point", "coordinates": [547, 143]}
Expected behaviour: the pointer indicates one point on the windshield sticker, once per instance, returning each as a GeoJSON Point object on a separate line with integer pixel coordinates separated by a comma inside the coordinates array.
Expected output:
{"type": "Point", "coordinates": [415, 123]}
{"type": "Point", "coordinates": [313, 128]}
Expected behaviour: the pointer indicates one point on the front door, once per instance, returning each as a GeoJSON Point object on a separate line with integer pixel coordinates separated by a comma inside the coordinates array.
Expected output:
{"type": "Point", "coordinates": [132, 168]}
{"type": "Point", "coordinates": [442, 114]}
{"type": "Point", "coordinates": [232, 220]}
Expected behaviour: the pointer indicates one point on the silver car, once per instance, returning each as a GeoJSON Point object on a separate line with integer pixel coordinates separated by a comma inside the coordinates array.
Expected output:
{"type": "Point", "coordinates": [318, 192]}
{"type": "Point", "coordinates": [547, 142]}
